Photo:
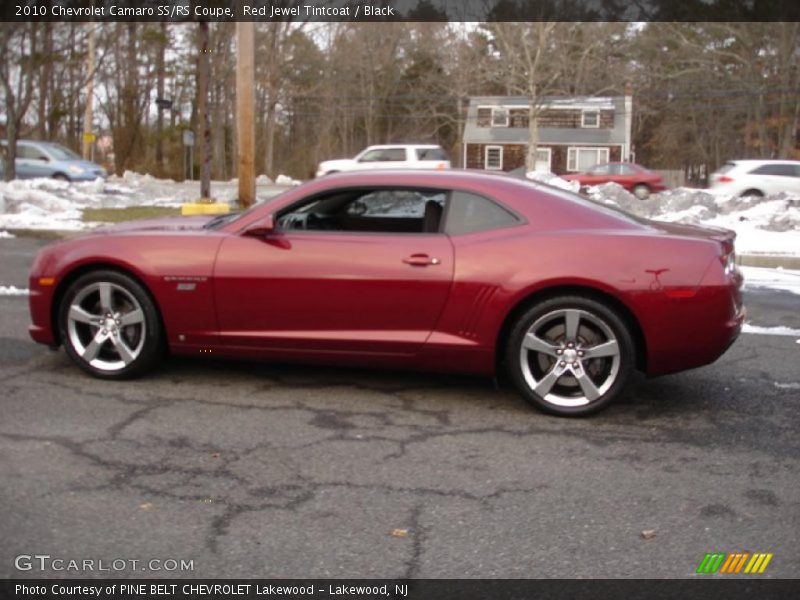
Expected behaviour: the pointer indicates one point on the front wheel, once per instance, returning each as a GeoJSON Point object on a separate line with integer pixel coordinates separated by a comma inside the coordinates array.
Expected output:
{"type": "Point", "coordinates": [110, 326]}
{"type": "Point", "coordinates": [570, 356]}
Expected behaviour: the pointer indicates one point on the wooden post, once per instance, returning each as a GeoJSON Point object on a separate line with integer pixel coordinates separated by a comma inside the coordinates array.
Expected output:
{"type": "Point", "coordinates": [245, 111]}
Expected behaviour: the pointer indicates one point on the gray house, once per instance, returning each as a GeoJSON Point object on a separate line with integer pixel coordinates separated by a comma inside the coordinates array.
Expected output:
{"type": "Point", "coordinates": [575, 132]}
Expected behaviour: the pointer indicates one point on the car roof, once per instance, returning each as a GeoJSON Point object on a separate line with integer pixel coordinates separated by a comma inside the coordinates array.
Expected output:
{"type": "Point", "coordinates": [380, 146]}
{"type": "Point", "coordinates": [758, 161]}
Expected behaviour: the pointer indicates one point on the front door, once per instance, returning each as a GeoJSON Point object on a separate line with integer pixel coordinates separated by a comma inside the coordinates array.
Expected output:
{"type": "Point", "coordinates": [353, 272]}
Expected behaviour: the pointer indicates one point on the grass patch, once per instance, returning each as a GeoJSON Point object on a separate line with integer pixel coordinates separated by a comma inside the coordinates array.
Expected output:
{"type": "Point", "coordinates": [131, 213]}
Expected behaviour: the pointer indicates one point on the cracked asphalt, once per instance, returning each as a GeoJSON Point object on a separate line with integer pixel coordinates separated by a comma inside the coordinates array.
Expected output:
{"type": "Point", "coordinates": [266, 470]}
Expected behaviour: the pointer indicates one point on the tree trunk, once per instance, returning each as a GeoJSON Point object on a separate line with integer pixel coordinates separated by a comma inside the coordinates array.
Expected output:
{"type": "Point", "coordinates": [162, 48]}
{"type": "Point", "coordinates": [204, 123]}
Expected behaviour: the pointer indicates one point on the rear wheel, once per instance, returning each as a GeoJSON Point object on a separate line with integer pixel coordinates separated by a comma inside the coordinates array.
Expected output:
{"type": "Point", "coordinates": [60, 177]}
{"type": "Point", "coordinates": [641, 191]}
{"type": "Point", "coordinates": [755, 193]}
{"type": "Point", "coordinates": [570, 356]}
{"type": "Point", "coordinates": [110, 326]}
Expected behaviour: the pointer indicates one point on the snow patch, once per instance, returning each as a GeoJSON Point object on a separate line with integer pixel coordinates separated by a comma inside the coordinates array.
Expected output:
{"type": "Point", "coordinates": [776, 279]}
{"type": "Point", "coordinates": [6, 235]}
{"type": "Point", "coordinates": [781, 330]}
{"type": "Point", "coordinates": [10, 290]}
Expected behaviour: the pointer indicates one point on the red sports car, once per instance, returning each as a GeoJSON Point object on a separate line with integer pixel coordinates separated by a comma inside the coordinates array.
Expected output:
{"type": "Point", "coordinates": [450, 271]}
{"type": "Point", "coordinates": [639, 181]}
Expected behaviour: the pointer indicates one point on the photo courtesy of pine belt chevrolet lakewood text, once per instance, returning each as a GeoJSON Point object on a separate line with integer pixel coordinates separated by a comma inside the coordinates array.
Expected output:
{"type": "Point", "coordinates": [445, 270]}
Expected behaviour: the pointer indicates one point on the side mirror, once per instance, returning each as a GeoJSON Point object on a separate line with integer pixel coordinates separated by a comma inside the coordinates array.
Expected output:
{"type": "Point", "coordinates": [261, 228]}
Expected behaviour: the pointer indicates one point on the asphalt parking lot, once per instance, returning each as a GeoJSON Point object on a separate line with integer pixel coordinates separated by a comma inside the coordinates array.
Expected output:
{"type": "Point", "coordinates": [253, 470]}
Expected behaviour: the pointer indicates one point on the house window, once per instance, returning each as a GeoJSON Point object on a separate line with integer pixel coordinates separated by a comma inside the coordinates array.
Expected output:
{"type": "Point", "coordinates": [590, 118]}
{"type": "Point", "coordinates": [583, 159]}
{"type": "Point", "coordinates": [493, 159]}
{"type": "Point", "coordinates": [499, 117]}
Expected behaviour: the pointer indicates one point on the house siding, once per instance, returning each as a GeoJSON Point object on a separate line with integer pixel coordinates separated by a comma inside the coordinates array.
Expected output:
{"type": "Point", "coordinates": [514, 156]}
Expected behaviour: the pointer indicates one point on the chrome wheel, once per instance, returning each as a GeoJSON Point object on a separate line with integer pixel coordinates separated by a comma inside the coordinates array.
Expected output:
{"type": "Point", "coordinates": [106, 326]}
{"type": "Point", "coordinates": [570, 357]}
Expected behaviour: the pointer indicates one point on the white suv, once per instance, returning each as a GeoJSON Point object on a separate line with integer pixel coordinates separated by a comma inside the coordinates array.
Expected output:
{"type": "Point", "coordinates": [394, 156]}
{"type": "Point", "coordinates": [756, 177]}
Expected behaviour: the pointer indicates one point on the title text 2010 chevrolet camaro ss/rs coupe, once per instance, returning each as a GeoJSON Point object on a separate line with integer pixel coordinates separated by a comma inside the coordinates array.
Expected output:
{"type": "Point", "coordinates": [448, 271]}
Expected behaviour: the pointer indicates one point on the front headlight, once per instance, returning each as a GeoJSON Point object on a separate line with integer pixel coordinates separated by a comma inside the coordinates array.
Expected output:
{"type": "Point", "coordinates": [75, 169]}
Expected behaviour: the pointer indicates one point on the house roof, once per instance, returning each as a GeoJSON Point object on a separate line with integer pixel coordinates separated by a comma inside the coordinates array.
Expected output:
{"type": "Point", "coordinates": [547, 135]}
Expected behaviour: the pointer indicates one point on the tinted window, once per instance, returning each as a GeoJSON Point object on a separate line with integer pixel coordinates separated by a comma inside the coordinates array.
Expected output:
{"type": "Point", "coordinates": [431, 154]}
{"type": "Point", "coordinates": [368, 210]}
{"type": "Point", "coordinates": [780, 169]}
{"type": "Point", "coordinates": [394, 154]}
{"type": "Point", "coordinates": [469, 212]}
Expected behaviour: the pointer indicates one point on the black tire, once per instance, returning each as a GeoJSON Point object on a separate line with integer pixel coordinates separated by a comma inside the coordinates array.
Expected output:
{"type": "Point", "coordinates": [61, 177]}
{"type": "Point", "coordinates": [755, 193]}
{"type": "Point", "coordinates": [559, 378]}
{"type": "Point", "coordinates": [641, 191]}
{"type": "Point", "coordinates": [110, 326]}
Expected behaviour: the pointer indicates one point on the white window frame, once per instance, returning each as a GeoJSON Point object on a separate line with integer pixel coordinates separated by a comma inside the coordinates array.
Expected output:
{"type": "Point", "coordinates": [497, 110]}
{"type": "Point", "coordinates": [590, 112]}
{"type": "Point", "coordinates": [572, 156]}
{"type": "Point", "coordinates": [486, 158]}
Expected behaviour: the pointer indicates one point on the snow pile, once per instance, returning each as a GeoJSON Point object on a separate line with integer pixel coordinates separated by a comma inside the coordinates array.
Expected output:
{"type": "Point", "coordinates": [554, 180]}
{"type": "Point", "coordinates": [33, 205]}
{"type": "Point", "coordinates": [263, 180]}
{"type": "Point", "coordinates": [10, 290]}
{"type": "Point", "coordinates": [5, 234]}
{"type": "Point", "coordinates": [286, 180]}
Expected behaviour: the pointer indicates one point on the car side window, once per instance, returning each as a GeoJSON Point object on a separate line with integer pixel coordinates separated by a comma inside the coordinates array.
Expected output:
{"type": "Point", "coordinates": [29, 152]}
{"type": "Point", "coordinates": [385, 210]}
{"type": "Point", "coordinates": [780, 169]}
{"type": "Point", "coordinates": [394, 154]}
{"type": "Point", "coordinates": [468, 212]}
{"type": "Point", "coordinates": [371, 156]}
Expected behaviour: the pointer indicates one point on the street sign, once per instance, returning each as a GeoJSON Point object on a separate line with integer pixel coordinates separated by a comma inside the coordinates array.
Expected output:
{"type": "Point", "coordinates": [188, 137]}
{"type": "Point", "coordinates": [89, 138]}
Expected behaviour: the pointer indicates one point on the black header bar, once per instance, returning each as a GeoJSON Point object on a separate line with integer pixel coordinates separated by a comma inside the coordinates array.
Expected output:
{"type": "Point", "coordinates": [399, 10]}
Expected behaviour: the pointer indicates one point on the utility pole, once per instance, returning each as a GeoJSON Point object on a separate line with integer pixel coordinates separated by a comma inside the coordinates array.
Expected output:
{"type": "Point", "coordinates": [88, 114]}
{"type": "Point", "coordinates": [245, 111]}
{"type": "Point", "coordinates": [204, 120]}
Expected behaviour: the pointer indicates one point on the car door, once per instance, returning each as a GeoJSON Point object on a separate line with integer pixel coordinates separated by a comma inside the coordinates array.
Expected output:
{"type": "Point", "coordinates": [31, 162]}
{"type": "Point", "coordinates": [361, 276]}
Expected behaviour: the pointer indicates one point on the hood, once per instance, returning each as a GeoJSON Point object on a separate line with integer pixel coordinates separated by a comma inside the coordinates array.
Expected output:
{"type": "Point", "coordinates": [176, 223]}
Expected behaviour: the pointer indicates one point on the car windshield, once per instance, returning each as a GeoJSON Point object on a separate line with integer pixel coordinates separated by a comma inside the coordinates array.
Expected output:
{"type": "Point", "coordinates": [222, 220]}
{"type": "Point", "coordinates": [60, 153]}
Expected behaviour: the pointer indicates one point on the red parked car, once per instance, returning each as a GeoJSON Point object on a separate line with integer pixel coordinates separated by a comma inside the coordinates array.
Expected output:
{"type": "Point", "coordinates": [635, 178]}
{"type": "Point", "coordinates": [447, 271]}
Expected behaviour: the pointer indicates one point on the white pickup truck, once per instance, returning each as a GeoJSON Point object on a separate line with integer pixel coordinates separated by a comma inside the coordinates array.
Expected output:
{"type": "Point", "coordinates": [391, 156]}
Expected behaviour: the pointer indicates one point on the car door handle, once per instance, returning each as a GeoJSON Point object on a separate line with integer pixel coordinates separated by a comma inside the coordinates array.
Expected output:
{"type": "Point", "coordinates": [421, 260]}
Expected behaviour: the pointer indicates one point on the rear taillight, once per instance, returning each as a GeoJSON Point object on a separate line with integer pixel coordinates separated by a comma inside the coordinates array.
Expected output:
{"type": "Point", "coordinates": [725, 179]}
{"type": "Point", "coordinates": [728, 262]}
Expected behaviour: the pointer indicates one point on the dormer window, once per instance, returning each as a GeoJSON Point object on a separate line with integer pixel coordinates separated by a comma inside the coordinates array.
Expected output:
{"type": "Point", "coordinates": [499, 117]}
{"type": "Point", "coordinates": [590, 118]}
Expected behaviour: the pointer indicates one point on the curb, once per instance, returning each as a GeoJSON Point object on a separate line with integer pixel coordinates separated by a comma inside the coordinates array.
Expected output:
{"type": "Point", "coordinates": [769, 261]}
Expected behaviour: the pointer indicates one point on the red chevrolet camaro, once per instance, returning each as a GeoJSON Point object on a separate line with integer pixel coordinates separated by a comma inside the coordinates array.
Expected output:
{"type": "Point", "coordinates": [449, 271]}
